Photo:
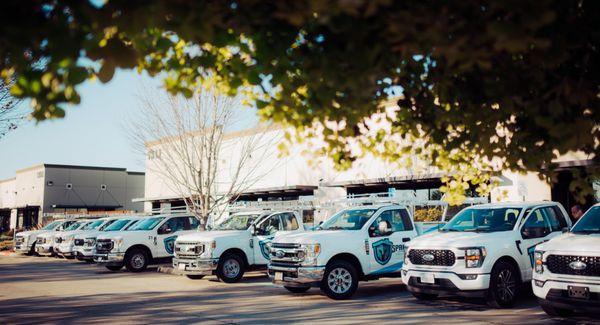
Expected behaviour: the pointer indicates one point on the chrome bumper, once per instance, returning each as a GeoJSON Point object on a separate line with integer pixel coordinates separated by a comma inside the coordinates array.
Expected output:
{"type": "Point", "coordinates": [109, 258]}
{"type": "Point", "coordinates": [195, 266]}
{"type": "Point", "coordinates": [22, 248]}
{"type": "Point", "coordinates": [44, 250]}
{"type": "Point", "coordinates": [296, 276]}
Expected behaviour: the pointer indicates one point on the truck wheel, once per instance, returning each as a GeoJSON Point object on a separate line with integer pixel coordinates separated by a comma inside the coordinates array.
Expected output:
{"type": "Point", "coordinates": [424, 296]}
{"type": "Point", "coordinates": [504, 285]}
{"type": "Point", "coordinates": [297, 289]}
{"type": "Point", "coordinates": [195, 276]}
{"type": "Point", "coordinates": [136, 260]}
{"type": "Point", "coordinates": [340, 280]}
{"type": "Point", "coordinates": [553, 311]}
{"type": "Point", "coordinates": [230, 268]}
{"type": "Point", "coordinates": [114, 267]}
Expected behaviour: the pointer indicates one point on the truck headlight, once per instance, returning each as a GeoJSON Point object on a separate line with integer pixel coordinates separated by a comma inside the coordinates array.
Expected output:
{"type": "Point", "coordinates": [309, 253]}
{"type": "Point", "coordinates": [208, 248]}
{"type": "Point", "coordinates": [474, 256]}
{"type": "Point", "coordinates": [538, 261]}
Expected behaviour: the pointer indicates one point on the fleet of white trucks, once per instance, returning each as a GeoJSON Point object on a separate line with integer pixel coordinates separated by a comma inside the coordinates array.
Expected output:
{"type": "Point", "coordinates": [485, 250]}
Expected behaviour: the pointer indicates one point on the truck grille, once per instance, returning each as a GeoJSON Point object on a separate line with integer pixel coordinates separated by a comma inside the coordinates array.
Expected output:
{"type": "Point", "coordinates": [58, 239]}
{"type": "Point", "coordinates": [564, 264]}
{"type": "Point", "coordinates": [41, 240]}
{"type": "Point", "coordinates": [89, 242]}
{"type": "Point", "coordinates": [440, 257]}
{"type": "Point", "coordinates": [104, 246]}
{"type": "Point", "coordinates": [78, 242]}
{"type": "Point", "coordinates": [285, 255]}
{"type": "Point", "coordinates": [188, 250]}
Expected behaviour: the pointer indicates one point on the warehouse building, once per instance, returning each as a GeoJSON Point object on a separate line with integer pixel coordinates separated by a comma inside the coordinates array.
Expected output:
{"type": "Point", "coordinates": [291, 178]}
{"type": "Point", "coordinates": [39, 192]}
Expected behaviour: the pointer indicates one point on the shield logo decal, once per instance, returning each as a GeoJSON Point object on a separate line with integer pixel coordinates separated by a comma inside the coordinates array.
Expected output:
{"type": "Point", "coordinates": [263, 247]}
{"type": "Point", "coordinates": [169, 244]}
{"type": "Point", "coordinates": [382, 251]}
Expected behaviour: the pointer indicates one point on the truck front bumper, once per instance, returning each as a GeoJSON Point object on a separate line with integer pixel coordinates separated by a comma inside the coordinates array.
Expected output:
{"type": "Point", "coordinates": [22, 248]}
{"type": "Point", "coordinates": [65, 249]}
{"type": "Point", "coordinates": [195, 266]}
{"type": "Point", "coordinates": [44, 249]}
{"type": "Point", "coordinates": [109, 258]}
{"type": "Point", "coordinates": [555, 292]}
{"type": "Point", "coordinates": [84, 253]}
{"type": "Point", "coordinates": [445, 282]}
{"type": "Point", "coordinates": [302, 276]}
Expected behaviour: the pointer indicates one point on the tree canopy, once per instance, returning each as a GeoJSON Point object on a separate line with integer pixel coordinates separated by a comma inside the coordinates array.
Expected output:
{"type": "Point", "coordinates": [485, 85]}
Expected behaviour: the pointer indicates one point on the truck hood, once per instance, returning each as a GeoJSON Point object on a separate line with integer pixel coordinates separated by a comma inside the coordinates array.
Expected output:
{"type": "Point", "coordinates": [206, 236]}
{"type": "Point", "coordinates": [575, 244]}
{"type": "Point", "coordinates": [315, 237]}
{"type": "Point", "coordinates": [438, 239]}
{"type": "Point", "coordinates": [88, 234]}
{"type": "Point", "coordinates": [28, 233]}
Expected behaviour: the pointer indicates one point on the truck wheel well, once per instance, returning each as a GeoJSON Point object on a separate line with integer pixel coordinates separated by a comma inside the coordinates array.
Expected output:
{"type": "Point", "coordinates": [510, 260]}
{"type": "Point", "coordinates": [238, 252]}
{"type": "Point", "coordinates": [350, 259]}
{"type": "Point", "coordinates": [142, 247]}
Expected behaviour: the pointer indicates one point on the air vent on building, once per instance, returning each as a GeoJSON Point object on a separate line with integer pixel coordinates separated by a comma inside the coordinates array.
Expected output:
{"type": "Point", "coordinates": [69, 186]}
{"type": "Point", "coordinates": [103, 187]}
{"type": "Point", "coordinates": [50, 183]}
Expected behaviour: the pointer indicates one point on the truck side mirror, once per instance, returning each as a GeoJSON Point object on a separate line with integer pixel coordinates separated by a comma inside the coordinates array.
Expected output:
{"type": "Point", "coordinates": [566, 229]}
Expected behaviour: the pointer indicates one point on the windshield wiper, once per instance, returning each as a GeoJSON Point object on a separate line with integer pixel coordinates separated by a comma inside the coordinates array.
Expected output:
{"type": "Point", "coordinates": [333, 228]}
{"type": "Point", "coordinates": [449, 230]}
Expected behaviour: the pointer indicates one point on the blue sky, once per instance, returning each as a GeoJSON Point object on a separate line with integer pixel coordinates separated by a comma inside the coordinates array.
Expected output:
{"type": "Point", "coordinates": [92, 133]}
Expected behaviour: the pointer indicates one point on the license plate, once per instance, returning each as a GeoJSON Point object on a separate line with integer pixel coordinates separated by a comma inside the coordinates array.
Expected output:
{"type": "Point", "coordinates": [181, 267]}
{"type": "Point", "coordinates": [278, 276]}
{"type": "Point", "coordinates": [428, 278]}
{"type": "Point", "coordinates": [579, 292]}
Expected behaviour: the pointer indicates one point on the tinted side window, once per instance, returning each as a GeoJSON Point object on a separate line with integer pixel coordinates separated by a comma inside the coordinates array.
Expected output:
{"type": "Point", "coordinates": [270, 226]}
{"type": "Point", "coordinates": [193, 223]}
{"type": "Point", "coordinates": [289, 221]}
{"type": "Point", "coordinates": [399, 220]}
{"type": "Point", "coordinates": [536, 225]}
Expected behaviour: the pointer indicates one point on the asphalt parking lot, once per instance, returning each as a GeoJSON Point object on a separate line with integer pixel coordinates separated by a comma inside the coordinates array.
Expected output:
{"type": "Point", "coordinates": [48, 290]}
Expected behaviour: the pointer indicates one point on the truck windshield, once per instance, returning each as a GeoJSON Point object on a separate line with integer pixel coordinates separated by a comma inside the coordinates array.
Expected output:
{"type": "Point", "coordinates": [117, 225]}
{"type": "Point", "coordinates": [484, 220]}
{"type": "Point", "coordinates": [147, 224]}
{"type": "Point", "coordinates": [237, 222]}
{"type": "Point", "coordinates": [93, 225]}
{"type": "Point", "coordinates": [589, 223]}
{"type": "Point", "coordinates": [348, 220]}
{"type": "Point", "coordinates": [74, 226]}
{"type": "Point", "coordinates": [52, 225]}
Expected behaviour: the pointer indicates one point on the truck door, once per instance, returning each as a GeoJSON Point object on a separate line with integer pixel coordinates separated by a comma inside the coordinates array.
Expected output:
{"type": "Point", "coordinates": [264, 233]}
{"type": "Point", "coordinates": [386, 248]}
{"type": "Point", "coordinates": [541, 225]}
{"type": "Point", "coordinates": [168, 232]}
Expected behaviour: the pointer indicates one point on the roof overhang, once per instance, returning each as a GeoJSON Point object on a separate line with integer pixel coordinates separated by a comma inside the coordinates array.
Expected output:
{"type": "Point", "coordinates": [81, 206]}
{"type": "Point", "coordinates": [392, 180]}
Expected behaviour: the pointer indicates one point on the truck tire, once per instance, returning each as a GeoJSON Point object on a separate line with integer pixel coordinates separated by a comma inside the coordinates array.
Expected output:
{"type": "Point", "coordinates": [424, 296]}
{"type": "Point", "coordinates": [136, 260]}
{"type": "Point", "coordinates": [195, 276]}
{"type": "Point", "coordinates": [231, 268]}
{"type": "Point", "coordinates": [553, 311]}
{"type": "Point", "coordinates": [114, 267]}
{"type": "Point", "coordinates": [340, 280]}
{"type": "Point", "coordinates": [504, 285]}
{"type": "Point", "coordinates": [297, 289]}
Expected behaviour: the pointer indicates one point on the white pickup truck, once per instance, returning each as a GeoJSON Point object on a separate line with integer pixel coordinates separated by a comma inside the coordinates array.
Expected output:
{"type": "Point", "coordinates": [361, 243]}
{"type": "Point", "coordinates": [84, 243]}
{"type": "Point", "coordinates": [26, 241]}
{"type": "Point", "coordinates": [566, 276]}
{"type": "Point", "coordinates": [68, 242]}
{"type": "Point", "coordinates": [484, 251]}
{"type": "Point", "coordinates": [47, 243]}
{"type": "Point", "coordinates": [148, 241]}
{"type": "Point", "coordinates": [238, 244]}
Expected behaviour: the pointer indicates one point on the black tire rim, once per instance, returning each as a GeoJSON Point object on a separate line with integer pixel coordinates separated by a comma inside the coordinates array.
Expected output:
{"type": "Point", "coordinates": [506, 286]}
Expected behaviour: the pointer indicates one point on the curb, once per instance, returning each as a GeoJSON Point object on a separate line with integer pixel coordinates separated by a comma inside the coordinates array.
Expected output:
{"type": "Point", "coordinates": [8, 253]}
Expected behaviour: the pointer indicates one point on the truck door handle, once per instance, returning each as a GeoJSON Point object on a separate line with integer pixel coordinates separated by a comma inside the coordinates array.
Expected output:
{"type": "Point", "coordinates": [404, 240]}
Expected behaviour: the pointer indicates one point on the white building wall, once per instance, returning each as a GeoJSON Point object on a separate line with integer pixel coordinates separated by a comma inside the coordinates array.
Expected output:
{"type": "Point", "coordinates": [8, 195]}
{"type": "Point", "coordinates": [30, 187]}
